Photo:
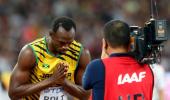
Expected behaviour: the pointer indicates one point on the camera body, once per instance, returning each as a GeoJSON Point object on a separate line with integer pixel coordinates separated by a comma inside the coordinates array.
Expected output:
{"type": "Point", "coordinates": [147, 41]}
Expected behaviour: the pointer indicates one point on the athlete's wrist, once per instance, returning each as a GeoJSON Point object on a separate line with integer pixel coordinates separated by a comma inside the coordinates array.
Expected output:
{"type": "Point", "coordinates": [65, 82]}
{"type": "Point", "coordinates": [52, 82]}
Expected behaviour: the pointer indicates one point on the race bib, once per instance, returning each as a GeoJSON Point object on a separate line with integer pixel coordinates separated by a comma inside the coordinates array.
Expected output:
{"type": "Point", "coordinates": [54, 93]}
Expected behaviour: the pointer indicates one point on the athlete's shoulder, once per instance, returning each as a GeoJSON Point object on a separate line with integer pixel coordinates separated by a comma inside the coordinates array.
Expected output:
{"type": "Point", "coordinates": [76, 43]}
{"type": "Point", "coordinates": [38, 40]}
{"type": "Point", "coordinates": [76, 47]}
{"type": "Point", "coordinates": [26, 50]}
{"type": "Point", "coordinates": [26, 56]}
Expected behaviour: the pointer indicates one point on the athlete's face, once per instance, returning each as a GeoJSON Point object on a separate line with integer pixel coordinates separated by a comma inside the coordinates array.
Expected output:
{"type": "Point", "coordinates": [62, 39]}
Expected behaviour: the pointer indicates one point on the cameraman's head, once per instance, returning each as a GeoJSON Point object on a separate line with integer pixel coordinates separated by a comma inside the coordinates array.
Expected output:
{"type": "Point", "coordinates": [116, 37]}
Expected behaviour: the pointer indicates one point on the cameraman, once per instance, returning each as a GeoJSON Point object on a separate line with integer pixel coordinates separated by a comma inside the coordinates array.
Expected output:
{"type": "Point", "coordinates": [118, 76]}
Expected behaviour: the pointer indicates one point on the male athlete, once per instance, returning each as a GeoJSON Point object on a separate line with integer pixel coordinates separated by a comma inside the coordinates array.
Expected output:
{"type": "Point", "coordinates": [118, 76]}
{"type": "Point", "coordinates": [51, 68]}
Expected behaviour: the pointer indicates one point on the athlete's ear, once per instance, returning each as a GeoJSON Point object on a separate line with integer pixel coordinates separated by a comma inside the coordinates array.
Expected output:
{"type": "Point", "coordinates": [51, 33]}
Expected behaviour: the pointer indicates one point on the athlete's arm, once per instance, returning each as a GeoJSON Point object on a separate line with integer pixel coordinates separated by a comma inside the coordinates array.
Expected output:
{"type": "Point", "coordinates": [76, 89]}
{"type": "Point", "coordinates": [19, 82]}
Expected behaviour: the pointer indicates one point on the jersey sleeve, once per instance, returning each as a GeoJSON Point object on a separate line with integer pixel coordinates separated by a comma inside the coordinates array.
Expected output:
{"type": "Point", "coordinates": [94, 74]}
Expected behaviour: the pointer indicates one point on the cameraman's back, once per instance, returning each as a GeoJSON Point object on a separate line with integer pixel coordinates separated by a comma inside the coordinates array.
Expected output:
{"type": "Point", "coordinates": [125, 78]}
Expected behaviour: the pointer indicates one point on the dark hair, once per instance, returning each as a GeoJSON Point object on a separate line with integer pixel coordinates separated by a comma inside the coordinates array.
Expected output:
{"type": "Point", "coordinates": [66, 22]}
{"type": "Point", "coordinates": [117, 33]}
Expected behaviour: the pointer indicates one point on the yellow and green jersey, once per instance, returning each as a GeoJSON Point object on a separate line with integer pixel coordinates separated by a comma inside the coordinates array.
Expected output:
{"type": "Point", "coordinates": [46, 62]}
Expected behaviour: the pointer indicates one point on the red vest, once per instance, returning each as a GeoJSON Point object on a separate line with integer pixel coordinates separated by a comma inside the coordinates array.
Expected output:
{"type": "Point", "coordinates": [125, 79]}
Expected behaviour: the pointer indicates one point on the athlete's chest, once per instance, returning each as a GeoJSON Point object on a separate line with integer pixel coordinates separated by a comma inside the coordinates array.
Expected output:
{"type": "Point", "coordinates": [46, 67]}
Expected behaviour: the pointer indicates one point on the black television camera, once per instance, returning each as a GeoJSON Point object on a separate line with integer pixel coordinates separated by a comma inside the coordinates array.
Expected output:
{"type": "Point", "coordinates": [147, 41]}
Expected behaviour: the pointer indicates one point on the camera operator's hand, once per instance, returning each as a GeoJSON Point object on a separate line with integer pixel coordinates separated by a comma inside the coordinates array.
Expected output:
{"type": "Point", "coordinates": [59, 74]}
{"type": "Point", "coordinates": [104, 52]}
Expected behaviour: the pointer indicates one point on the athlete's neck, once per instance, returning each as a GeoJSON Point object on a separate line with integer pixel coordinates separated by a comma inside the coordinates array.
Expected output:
{"type": "Point", "coordinates": [50, 46]}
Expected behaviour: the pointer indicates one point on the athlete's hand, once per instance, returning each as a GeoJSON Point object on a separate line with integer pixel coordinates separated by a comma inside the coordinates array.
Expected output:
{"type": "Point", "coordinates": [59, 74]}
{"type": "Point", "coordinates": [104, 53]}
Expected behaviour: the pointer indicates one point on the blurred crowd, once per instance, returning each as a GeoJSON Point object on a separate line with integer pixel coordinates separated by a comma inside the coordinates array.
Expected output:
{"type": "Point", "coordinates": [22, 21]}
